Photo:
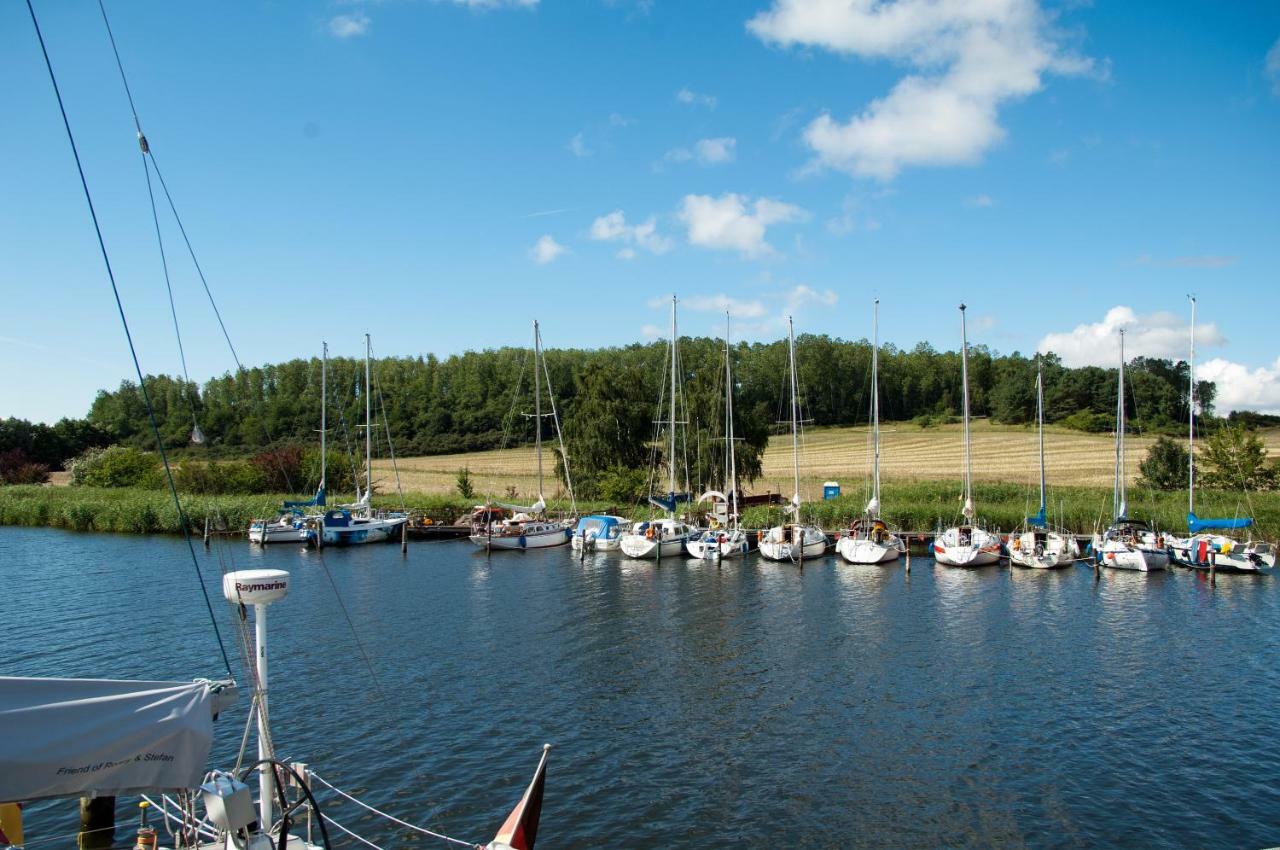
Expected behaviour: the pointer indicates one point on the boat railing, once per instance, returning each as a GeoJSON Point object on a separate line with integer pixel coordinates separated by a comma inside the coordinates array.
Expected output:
{"type": "Point", "coordinates": [182, 824]}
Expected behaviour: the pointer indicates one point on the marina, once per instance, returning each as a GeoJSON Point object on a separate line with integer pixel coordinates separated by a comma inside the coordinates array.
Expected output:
{"type": "Point", "coordinates": [759, 583]}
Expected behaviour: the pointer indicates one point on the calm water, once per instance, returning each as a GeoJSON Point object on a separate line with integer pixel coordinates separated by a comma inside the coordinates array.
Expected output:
{"type": "Point", "coordinates": [749, 705]}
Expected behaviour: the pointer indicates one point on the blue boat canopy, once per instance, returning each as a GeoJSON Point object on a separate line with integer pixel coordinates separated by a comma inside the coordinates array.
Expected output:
{"type": "Point", "coordinates": [1195, 524]}
{"type": "Point", "coordinates": [594, 522]}
{"type": "Point", "coordinates": [669, 501]}
{"type": "Point", "coordinates": [1039, 520]}
{"type": "Point", "coordinates": [316, 501]}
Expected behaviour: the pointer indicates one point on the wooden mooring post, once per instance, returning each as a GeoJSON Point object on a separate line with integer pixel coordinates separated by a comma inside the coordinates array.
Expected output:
{"type": "Point", "coordinates": [1213, 569]}
{"type": "Point", "coordinates": [404, 538]}
{"type": "Point", "coordinates": [206, 532]}
{"type": "Point", "coordinates": [97, 823]}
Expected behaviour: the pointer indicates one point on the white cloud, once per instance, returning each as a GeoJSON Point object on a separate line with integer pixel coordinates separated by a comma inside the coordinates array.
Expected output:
{"type": "Point", "coordinates": [1155, 335]}
{"type": "Point", "coordinates": [1273, 67]}
{"type": "Point", "coordinates": [578, 147]}
{"type": "Point", "coordinates": [652, 331]}
{"type": "Point", "coordinates": [799, 296]}
{"type": "Point", "coordinates": [1242, 388]}
{"type": "Point", "coordinates": [969, 58]}
{"type": "Point", "coordinates": [980, 201]}
{"type": "Point", "coordinates": [693, 98]}
{"type": "Point", "coordinates": [349, 26]}
{"type": "Point", "coordinates": [734, 222]}
{"type": "Point", "coordinates": [546, 249]}
{"type": "Point", "coordinates": [617, 119]}
{"type": "Point", "coordinates": [715, 151]}
{"type": "Point", "coordinates": [614, 228]}
{"type": "Point", "coordinates": [853, 216]}
{"type": "Point", "coordinates": [739, 307]}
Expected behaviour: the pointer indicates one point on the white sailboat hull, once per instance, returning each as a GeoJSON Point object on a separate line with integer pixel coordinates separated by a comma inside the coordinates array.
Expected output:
{"type": "Point", "coordinates": [272, 532]}
{"type": "Point", "coordinates": [713, 546]}
{"type": "Point", "coordinates": [1051, 551]}
{"type": "Point", "coordinates": [639, 546]}
{"type": "Point", "coordinates": [1119, 555]}
{"type": "Point", "coordinates": [544, 536]}
{"type": "Point", "coordinates": [859, 550]}
{"type": "Point", "coordinates": [972, 548]}
{"type": "Point", "coordinates": [1223, 553]}
{"type": "Point", "coordinates": [776, 545]}
{"type": "Point", "coordinates": [374, 530]}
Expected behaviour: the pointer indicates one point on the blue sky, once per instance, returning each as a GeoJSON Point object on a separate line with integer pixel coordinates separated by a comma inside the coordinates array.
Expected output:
{"type": "Point", "coordinates": [440, 173]}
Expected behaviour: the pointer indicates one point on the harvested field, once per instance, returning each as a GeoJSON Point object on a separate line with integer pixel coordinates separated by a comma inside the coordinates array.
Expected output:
{"type": "Point", "coordinates": [1001, 454]}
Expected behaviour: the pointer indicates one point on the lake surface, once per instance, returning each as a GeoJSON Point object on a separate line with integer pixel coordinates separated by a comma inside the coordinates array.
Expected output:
{"type": "Point", "coordinates": [693, 706]}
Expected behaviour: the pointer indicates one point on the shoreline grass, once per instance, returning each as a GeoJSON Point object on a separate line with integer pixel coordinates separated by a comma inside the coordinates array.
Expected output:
{"type": "Point", "coordinates": [912, 506]}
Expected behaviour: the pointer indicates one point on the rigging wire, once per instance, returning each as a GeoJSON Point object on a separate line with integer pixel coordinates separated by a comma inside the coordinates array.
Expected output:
{"type": "Point", "coordinates": [133, 352]}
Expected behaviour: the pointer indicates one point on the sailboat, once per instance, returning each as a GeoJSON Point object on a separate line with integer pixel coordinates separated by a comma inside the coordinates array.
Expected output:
{"type": "Point", "coordinates": [793, 541]}
{"type": "Point", "coordinates": [663, 538]}
{"type": "Point", "coordinates": [290, 525]}
{"type": "Point", "coordinates": [349, 525]}
{"type": "Point", "coordinates": [98, 738]}
{"type": "Point", "coordinates": [1038, 545]}
{"type": "Point", "coordinates": [527, 527]}
{"type": "Point", "coordinates": [725, 537]}
{"type": "Point", "coordinates": [869, 540]}
{"type": "Point", "coordinates": [1201, 550]}
{"type": "Point", "coordinates": [1128, 543]}
{"type": "Point", "coordinates": [967, 544]}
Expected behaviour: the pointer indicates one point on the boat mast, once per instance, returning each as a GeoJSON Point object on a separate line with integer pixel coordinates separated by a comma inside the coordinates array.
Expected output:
{"type": "Point", "coordinates": [368, 423]}
{"type": "Point", "coordinates": [672, 462]}
{"type": "Point", "coordinates": [1040, 423]}
{"type": "Point", "coordinates": [875, 409]}
{"type": "Point", "coordinates": [1120, 505]}
{"type": "Point", "coordinates": [1191, 417]}
{"type": "Point", "coordinates": [324, 400]}
{"type": "Point", "coordinates": [795, 413]}
{"type": "Point", "coordinates": [964, 379]}
{"type": "Point", "coordinates": [728, 421]}
{"type": "Point", "coordinates": [537, 404]}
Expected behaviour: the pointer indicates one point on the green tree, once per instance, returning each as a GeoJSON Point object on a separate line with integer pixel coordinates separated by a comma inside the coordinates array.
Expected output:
{"type": "Point", "coordinates": [1165, 466]}
{"type": "Point", "coordinates": [464, 486]}
{"type": "Point", "coordinates": [1234, 458]}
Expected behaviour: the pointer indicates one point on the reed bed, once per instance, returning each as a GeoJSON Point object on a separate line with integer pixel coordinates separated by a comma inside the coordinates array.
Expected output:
{"type": "Point", "coordinates": [915, 506]}
{"type": "Point", "coordinates": [924, 506]}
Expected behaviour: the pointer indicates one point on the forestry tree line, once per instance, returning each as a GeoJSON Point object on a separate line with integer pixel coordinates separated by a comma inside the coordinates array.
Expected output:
{"type": "Point", "coordinates": [608, 403]}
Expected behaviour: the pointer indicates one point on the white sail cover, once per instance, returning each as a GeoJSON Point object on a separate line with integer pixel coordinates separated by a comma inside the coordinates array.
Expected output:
{"type": "Point", "coordinates": [73, 737]}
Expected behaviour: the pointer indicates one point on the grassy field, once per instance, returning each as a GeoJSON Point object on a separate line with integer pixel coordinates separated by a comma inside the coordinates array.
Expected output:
{"type": "Point", "coordinates": [1001, 454]}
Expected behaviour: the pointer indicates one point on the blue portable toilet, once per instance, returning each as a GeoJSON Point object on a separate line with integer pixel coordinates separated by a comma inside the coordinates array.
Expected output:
{"type": "Point", "coordinates": [830, 490]}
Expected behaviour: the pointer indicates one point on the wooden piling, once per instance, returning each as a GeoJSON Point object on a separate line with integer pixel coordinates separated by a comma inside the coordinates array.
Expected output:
{"type": "Point", "coordinates": [908, 559]}
{"type": "Point", "coordinates": [97, 823]}
{"type": "Point", "coordinates": [206, 532]}
{"type": "Point", "coordinates": [1213, 568]}
{"type": "Point", "coordinates": [404, 538]}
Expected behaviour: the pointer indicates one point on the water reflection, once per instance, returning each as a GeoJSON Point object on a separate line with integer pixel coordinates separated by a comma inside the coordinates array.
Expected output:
{"type": "Point", "coordinates": [745, 704]}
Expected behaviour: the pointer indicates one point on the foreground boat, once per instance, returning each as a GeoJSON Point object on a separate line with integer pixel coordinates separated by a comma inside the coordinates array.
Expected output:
{"type": "Point", "coordinates": [868, 540]}
{"type": "Point", "coordinates": [793, 541]}
{"type": "Point", "coordinates": [529, 527]}
{"type": "Point", "coordinates": [1039, 546]}
{"type": "Point", "coordinates": [1128, 543]}
{"type": "Point", "coordinates": [1200, 549]}
{"type": "Point", "coordinates": [966, 544]}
